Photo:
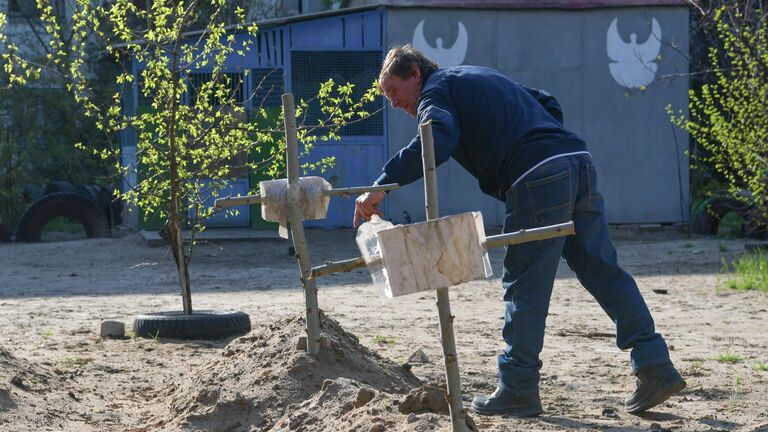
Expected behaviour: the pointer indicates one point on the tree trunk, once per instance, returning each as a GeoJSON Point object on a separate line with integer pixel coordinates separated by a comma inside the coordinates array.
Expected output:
{"type": "Point", "coordinates": [177, 247]}
{"type": "Point", "coordinates": [174, 211]}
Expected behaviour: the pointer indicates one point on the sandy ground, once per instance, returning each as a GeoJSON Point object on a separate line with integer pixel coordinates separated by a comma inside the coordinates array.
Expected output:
{"type": "Point", "coordinates": [56, 373]}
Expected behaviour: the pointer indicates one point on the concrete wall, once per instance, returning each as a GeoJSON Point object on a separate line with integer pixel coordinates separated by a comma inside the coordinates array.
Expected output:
{"type": "Point", "coordinates": [643, 169]}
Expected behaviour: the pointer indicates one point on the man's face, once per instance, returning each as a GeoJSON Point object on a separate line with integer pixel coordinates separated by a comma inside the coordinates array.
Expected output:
{"type": "Point", "coordinates": [403, 93]}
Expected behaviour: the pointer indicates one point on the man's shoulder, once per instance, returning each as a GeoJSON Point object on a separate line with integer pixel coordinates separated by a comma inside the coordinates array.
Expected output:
{"type": "Point", "coordinates": [469, 70]}
{"type": "Point", "coordinates": [464, 73]}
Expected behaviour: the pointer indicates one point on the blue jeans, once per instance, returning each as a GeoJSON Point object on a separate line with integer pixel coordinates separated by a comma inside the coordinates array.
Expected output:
{"type": "Point", "coordinates": [561, 190]}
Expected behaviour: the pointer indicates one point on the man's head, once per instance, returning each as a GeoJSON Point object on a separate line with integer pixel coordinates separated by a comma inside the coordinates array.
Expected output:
{"type": "Point", "coordinates": [402, 76]}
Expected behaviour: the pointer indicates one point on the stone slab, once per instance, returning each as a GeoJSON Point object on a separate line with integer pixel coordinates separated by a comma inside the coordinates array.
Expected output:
{"type": "Point", "coordinates": [434, 254]}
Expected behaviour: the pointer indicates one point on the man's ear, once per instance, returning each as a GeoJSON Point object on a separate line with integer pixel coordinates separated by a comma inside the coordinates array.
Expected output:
{"type": "Point", "coordinates": [416, 72]}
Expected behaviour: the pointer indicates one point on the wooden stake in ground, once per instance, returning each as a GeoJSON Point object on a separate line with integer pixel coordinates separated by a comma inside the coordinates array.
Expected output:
{"type": "Point", "coordinates": [297, 226]}
{"type": "Point", "coordinates": [455, 405]}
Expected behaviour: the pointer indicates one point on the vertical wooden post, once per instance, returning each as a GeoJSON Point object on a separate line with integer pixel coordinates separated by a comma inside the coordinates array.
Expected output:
{"type": "Point", "coordinates": [295, 215]}
{"type": "Point", "coordinates": [455, 404]}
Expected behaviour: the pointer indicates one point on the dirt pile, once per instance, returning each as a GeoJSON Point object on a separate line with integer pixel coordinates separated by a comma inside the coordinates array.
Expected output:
{"type": "Point", "coordinates": [265, 381]}
{"type": "Point", "coordinates": [32, 396]}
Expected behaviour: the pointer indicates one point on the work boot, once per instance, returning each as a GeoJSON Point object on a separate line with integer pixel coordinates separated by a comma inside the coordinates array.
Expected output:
{"type": "Point", "coordinates": [503, 401]}
{"type": "Point", "coordinates": [654, 386]}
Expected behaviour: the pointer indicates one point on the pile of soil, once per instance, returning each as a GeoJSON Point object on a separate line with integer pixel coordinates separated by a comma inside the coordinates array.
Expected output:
{"type": "Point", "coordinates": [36, 396]}
{"type": "Point", "coordinates": [265, 381]}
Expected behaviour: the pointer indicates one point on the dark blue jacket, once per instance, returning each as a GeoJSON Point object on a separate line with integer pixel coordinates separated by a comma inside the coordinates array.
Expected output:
{"type": "Point", "coordinates": [489, 124]}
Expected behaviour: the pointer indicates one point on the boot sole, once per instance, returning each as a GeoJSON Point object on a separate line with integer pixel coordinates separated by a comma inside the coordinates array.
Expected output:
{"type": "Point", "coordinates": [659, 396]}
{"type": "Point", "coordinates": [514, 412]}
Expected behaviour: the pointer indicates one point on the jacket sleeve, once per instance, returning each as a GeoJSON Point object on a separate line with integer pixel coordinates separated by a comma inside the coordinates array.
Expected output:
{"type": "Point", "coordinates": [406, 166]}
{"type": "Point", "coordinates": [549, 102]}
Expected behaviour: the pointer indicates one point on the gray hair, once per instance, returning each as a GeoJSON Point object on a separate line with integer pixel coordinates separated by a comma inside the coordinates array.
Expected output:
{"type": "Point", "coordinates": [400, 60]}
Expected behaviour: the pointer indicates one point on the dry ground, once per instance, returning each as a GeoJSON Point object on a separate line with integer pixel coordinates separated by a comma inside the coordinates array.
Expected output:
{"type": "Point", "coordinates": [57, 374]}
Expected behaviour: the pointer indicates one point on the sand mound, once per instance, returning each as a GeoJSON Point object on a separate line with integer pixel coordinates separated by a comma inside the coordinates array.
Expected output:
{"type": "Point", "coordinates": [32, 396]}
{"type": "Point", "coordinates": [265, 381]}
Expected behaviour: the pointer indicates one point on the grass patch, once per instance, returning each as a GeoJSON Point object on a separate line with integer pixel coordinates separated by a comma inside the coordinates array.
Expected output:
{"type": "Point", "coordinates": [729, 358]}
{"type": "Point", "coordinates": [722, 247]}
{"type": "Point", "coordinates": [730, 225]}
{"type": "Point", "coordinates": [750, 272]}
{"type": "Point", "coordinates": [65, 225]}
{"type": "Point", "coordinates": [383, 340]}
{"type": "Point", "coordinates": [74, 362]}
{"type": "Point", "coordinates": [762, 366]}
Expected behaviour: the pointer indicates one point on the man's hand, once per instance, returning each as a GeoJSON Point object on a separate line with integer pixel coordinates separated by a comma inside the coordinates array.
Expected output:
{"type": "Point", "coordinates": [367, 205]}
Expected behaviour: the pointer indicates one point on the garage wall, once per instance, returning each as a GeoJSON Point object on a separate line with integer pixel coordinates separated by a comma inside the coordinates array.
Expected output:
{"type": "Point", "coordinates": [643, 169]}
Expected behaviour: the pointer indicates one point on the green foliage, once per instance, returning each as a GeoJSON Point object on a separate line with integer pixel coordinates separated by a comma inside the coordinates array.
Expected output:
{"type": "Point", "coordinates": [728, 116]}
{"type": "Point", "coordinates": [750, 273]}
{"type": "Point", "coordinates": [730, 225]}
{"type": "Point", "coordinates": [64, 224]}
{"type": "Point", "coordinates": [40, 120]}
{"type": "Point", "coordinates": [729, 358]}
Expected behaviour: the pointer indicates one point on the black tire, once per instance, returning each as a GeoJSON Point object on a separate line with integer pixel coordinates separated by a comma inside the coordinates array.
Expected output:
{"type": "Point", "coordinates": [102, 196]}
{"type": "Point", "coordinates": [207, 325]}
{"type": "Point", "coordinates": [97, 194]}
{"type": "Point", "coordinates": [754, 227]}
{"type": "Point", "coordinates": [706, 218]}
{"type": "Point", "coordinates": [69, 204]}
{"type": "Point", "coordinates": [5, 236]}
{"type": "Point", "coordinates": [59, 186]}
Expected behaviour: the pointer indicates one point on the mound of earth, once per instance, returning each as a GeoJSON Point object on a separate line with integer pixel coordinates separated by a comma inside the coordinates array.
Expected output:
{"type": "Point", "coordinates": [32, 396]}
{"type": "Point", "coordinates": [265, 381]}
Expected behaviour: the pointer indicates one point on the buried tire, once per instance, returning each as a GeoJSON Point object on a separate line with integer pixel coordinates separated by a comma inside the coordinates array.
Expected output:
{"type": "Point", "coordinates": [207, 325]}
{"type": "Point", "coordinates": [706, 218]}
{"type": "Point", "coordinates": [68, 204]}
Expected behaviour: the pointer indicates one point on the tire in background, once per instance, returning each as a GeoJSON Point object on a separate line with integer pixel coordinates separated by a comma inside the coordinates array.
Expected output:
{"type": "Point", "coordinates": [58, 186]}
{"type": "Point", "coordinates": [72, 205]}
{"type": "Point", "coordinates": [207, 325]}
{"type": "Point", "coordinates": [754, 227]}
{"type": "Point", "coordinates": [102, 196]}
{"type": "Point", "coordinates": [706, 218]}
{"type": "Point", "coordinates": [5, 236]}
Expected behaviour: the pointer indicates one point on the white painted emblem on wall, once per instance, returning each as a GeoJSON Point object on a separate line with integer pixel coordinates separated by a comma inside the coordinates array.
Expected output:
{"type": "Point", "coordinates": [634, 65]}
{"type": "Point", "coordinates": [444, 57]}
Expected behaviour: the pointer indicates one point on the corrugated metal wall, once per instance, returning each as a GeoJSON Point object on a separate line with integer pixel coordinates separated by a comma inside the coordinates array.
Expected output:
{"type": "Point", "coordinates": [346, 48]}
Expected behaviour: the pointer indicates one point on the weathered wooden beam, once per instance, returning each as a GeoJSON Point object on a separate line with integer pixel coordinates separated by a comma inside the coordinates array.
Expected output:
{"type": "Point", "coordinates": [491, 242]}
{"type": "Point", "coordinates": [455, 404]}
{"type": "Point", "coordinates": [531, 234]}
{"type": "Point", "coordinates": [297, 226]}
{"type": "Point", "coordinates": [343, 192]}
{"type": "Point", "coordinates": [349, 191]}
{"type": "Point", "coordinates": [338, 267]}
{"type": "Point", "coordinates": [221, 203]}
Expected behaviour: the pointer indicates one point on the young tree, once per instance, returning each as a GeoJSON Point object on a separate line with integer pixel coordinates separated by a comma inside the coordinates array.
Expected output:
{"type": "Point", "coordinates": [728, 112]}
{"type": "Point", "coordinates": [195, 134]}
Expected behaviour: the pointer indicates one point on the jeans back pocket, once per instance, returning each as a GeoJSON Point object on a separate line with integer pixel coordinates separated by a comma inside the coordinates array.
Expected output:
{"type": "Point", "coordinates": [551, 198]}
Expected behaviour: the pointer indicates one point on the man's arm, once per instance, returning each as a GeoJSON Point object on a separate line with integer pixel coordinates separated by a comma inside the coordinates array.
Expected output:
{"type": "Point", "coordinates": [406, 166]}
